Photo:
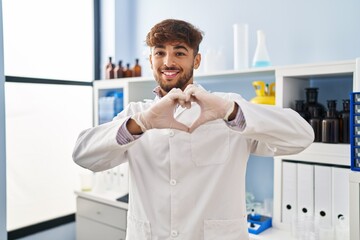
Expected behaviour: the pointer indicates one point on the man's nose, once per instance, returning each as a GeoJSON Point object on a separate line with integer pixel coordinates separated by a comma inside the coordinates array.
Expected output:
{"type": "Point", "coordinates": [169, 60]}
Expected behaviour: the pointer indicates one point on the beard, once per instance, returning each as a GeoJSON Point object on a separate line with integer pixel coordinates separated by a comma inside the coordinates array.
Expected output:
{"type": "Point", "coordinates": [181, 83]}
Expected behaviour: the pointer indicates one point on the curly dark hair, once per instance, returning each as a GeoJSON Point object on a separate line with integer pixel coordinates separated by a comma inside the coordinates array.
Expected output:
{"type": "Point", "coordinates": [173, 30]}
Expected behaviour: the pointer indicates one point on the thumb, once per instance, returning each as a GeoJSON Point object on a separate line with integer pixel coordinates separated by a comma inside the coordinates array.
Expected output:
{"type": "Point", "coordinates": [179, 126]}
{"type": "Point", "coordinates": [196, 124]}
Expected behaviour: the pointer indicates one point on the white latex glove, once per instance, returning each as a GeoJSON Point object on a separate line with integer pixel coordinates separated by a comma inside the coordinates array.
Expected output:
{"type": "Point", "coordinates": [212, 107]}
{"type": "Point", "coordinates": [161, 114]}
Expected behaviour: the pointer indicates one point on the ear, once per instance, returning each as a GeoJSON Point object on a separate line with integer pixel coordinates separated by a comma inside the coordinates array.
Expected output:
{"type": "Point", "coordinates": [150, 60]}
{"type": "Point", "coordinates": [197, 61]}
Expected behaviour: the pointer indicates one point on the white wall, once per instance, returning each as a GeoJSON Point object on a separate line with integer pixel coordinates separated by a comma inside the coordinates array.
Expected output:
{"type": "Point", "coordinates": [297, 32]}
{"type": "Point", "coordinates": [3, 233]}
{"type": "Point", "coordinates": [302, 31]}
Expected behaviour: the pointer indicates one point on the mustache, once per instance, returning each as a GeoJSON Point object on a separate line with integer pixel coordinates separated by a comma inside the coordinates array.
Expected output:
{"type": "Point", "coordinates": [170, 68]}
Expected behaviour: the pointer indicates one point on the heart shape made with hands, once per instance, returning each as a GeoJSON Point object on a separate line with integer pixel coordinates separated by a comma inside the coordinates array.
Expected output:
{"type": "Point", "coordinates": [212, 107]}
{"type": "Point", "coordinates": [161, 114]}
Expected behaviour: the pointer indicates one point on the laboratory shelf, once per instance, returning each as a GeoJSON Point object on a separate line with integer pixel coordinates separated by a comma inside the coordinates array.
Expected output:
{"type": "Point", "coordinates": [323, 153]}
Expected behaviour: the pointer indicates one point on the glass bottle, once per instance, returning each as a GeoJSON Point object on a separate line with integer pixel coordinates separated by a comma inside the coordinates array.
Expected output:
{"type": "Point", "coordinates": [344, 122]}
{"type": "Point", "coordinates": [109, 69]}
{"type": "Point", "coordinates": [316, 123]}
{"type": "Point", "coordinates": [119, 70]}
{"type": "Point", "coordinates": [300, 108]}
{"type": "Point", "coordinates": [128, 72]}
{"type": "Point", "coordinates": [312, 102]}
{"type": "Point", "coordinates": [261, 57]}
{"type": "Point", "coordinates": [330, 124]}
{"type": "Point", "coordinates": [137, 69]}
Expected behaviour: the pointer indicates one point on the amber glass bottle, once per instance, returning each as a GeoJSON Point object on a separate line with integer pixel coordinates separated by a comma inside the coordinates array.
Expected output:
{"type": "Point", "coordinates": [137, 69]}
{"type": "Point", "coordinates": [109, 69]}
{"type": "Point", "coordinates": [119, 70]}
{"type": "Point", "coordinates": [312, 102]}
{"type": "Point", "coordinates": [344, 122]}
{"type": "Point", "coordinates": [128, 72]}
{"type": "Point", "coordinates": [330, 124]}
{"type": "Point", "coordinates": [316, 123]}
{"type": "Point", "coordinates": [300, 108]}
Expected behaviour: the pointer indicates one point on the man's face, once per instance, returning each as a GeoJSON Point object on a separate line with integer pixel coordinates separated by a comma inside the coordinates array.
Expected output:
{"type": "Point", "coordinates": [173, 65]}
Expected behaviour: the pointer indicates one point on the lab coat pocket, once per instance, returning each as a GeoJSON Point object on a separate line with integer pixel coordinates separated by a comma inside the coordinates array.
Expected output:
{"type": "Point", "coordinates": [225, 229]}
{"type": "Point", "coordinates": [137, 229]}
{"type": "Point", "coordinates": [210, 144]}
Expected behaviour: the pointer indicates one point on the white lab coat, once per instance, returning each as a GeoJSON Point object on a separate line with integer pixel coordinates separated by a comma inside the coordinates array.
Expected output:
{"type": "Point", "coordinates": [192, 186]}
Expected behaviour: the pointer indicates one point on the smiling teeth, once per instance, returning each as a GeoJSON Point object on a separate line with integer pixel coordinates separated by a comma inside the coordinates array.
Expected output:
{"type": "Point", "coordinates": [169, 73]}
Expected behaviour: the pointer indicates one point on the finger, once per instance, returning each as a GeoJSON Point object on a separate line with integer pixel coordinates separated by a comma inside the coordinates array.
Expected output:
{"type": "Point", "coordinates": [190, 92]}
{"type": "Point", "coordinates": [179, 126]}
{"type": "Point", "coordinates": [196, 124]}
{"type": "Point", "coordinates": [182, 103]}
{"type": "Point", "coordinates": [188, 104]}
{"type": "Point", "coordinates": [176, 94]}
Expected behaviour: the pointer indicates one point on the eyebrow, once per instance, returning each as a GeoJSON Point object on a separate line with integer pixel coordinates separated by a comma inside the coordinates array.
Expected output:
{"type": "Point", "coordinates": [175, 47]}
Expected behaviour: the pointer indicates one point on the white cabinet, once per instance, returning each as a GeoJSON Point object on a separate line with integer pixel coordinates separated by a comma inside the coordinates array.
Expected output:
{"type": "Point", "coordinates": [330, 161]}
{"type": "Point", "coordinates": [354, 205]}
{"type": "Point", "coordinates": [98, 220]}
{"type": "Point", "coordinates": [133, 89]}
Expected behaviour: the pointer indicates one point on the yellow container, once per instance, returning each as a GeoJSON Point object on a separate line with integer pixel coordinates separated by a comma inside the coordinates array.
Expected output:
{"type": "Point", "coordinates": [265, 94]}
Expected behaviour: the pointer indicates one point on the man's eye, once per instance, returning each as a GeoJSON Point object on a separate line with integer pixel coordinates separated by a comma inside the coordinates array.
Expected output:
{"type": "Point", "coordinates": [180, 54]}
{"type": "Point", "coordinates": [158, 53]}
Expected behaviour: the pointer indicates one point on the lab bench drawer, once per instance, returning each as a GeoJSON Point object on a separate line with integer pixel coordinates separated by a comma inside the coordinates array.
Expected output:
{"type": "Point", "coordinates": [103, 213]}
{"type": "Point", "coordinates": [87, 229]}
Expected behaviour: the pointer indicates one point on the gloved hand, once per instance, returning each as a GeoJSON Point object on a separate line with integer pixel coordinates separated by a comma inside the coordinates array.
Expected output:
{"type": "Point", "coordinates": [212, 107]}
{"type": "Point", "coordinates": [161, 114]}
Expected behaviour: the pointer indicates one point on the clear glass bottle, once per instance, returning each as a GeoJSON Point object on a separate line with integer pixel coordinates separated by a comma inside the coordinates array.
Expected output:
{"type": "Point", "coordinates": [344, 123]}
{"type": "Point", "coordinates": [119, 70]}
{"type": "Point", "coordinates": [137, 69]}
{"type": "Point", "coordinates": [109, 69]}
{"type": "Point", "coordinates": [330, 124]}
{"type": "Point", "coordinates": [261, 57]}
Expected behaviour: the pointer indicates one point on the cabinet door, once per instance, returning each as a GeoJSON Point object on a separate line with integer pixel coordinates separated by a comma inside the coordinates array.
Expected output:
{"type": "Point", "coordinates": [87, 229]}
{"type": "Point", "coordinates": [104, 213]}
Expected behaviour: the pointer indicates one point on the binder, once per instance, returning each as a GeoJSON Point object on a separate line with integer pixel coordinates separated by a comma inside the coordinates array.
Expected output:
{"type": "Point", "coordinates": [305, 190]}
{"type": "Point", "coordinates": [323, 195]}
{"type": "Point", "coordinates": [340, 183]}
{"type": "Point", "coordinates": [289, 192]}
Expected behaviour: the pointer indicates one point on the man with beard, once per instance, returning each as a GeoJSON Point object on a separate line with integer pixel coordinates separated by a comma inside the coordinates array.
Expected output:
{"type": "Point", "coordinates": [188, 148]}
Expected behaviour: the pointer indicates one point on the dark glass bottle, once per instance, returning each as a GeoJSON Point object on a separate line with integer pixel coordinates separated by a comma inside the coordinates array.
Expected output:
{"type": "Point", "coordinates": [109, 70]}
{"type": "Point", "coordinates": [119, 70]}
{"type": "Point", "coordinates": [128, 72]}
{"type": "Point", "coordinates": [316, 123]}
{"type": "Point", "coordinates": [330, 124]}
{"type": "Point", "coordinates": [300, 108]}
{"type": "Point", "coordinates": [344, 122]}
{"type": "Point", "coordinates": [312, 102]}
{"type": "Point", "coordinates": [137, 69]}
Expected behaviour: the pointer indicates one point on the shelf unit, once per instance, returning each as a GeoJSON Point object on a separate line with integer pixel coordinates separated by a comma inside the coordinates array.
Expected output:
{"type": "Point", "coordinates": [134, 89]}
{"type": "Point", "coordinates": [290, 84]}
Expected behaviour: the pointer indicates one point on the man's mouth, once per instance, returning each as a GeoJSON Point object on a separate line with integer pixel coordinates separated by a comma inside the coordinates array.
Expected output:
{"type": "Point", "coordinates": [170, 73]}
